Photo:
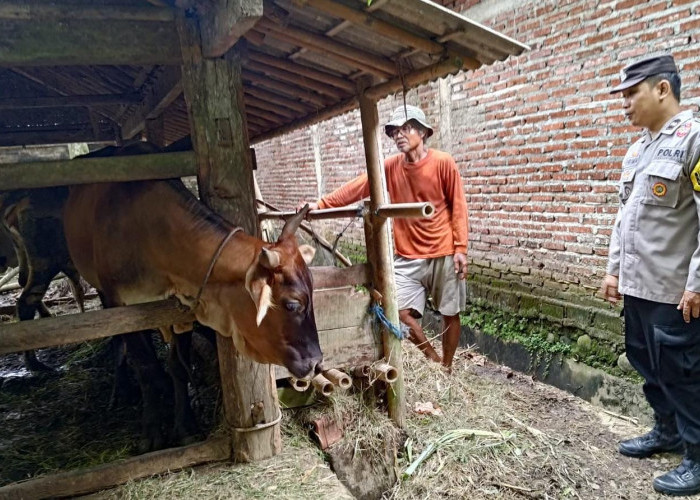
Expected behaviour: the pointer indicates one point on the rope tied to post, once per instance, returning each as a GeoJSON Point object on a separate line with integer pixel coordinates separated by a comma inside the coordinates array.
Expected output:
{"type": "Point", "coordinates": [379, 318]}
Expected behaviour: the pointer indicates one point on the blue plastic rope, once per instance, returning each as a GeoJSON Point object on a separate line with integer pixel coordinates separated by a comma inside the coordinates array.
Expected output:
{"type": "Point", "coordinates": [380, 317]}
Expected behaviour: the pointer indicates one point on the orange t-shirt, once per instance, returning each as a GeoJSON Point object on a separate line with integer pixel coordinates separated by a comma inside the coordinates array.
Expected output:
{"type": "Point", "coordinates": [436, 179]}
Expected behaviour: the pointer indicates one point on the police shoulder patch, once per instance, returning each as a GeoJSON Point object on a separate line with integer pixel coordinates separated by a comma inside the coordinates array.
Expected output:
{"type": "Point", "coordinates": [695, 176]}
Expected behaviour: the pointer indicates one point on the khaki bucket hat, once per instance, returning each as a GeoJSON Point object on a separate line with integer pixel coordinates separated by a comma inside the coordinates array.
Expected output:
{"type": "Point", "coordinates": [403, 114]}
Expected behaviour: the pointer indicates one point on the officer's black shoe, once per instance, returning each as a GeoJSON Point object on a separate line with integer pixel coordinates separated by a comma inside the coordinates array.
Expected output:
{"type": "Point", "coordinates": [662, 438]}
{"type": "Point", "coordinates": [684, 480]}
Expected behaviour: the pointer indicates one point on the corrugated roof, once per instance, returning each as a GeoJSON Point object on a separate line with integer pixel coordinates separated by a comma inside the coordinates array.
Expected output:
{"type": "Point", "coordinates": [304, 61]}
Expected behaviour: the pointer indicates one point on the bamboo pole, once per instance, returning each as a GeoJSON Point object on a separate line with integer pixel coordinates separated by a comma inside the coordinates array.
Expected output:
{"type": "Point", "coordinates": [341, 379]}
{"type": "Point", "coordinates": [406, 210]}
{"type": "Point", "coordinates": [384, 372]}
{"type": "Point", "coordinates": [304, 226]}
{"type": "Point", "coordinates": [90, 325]}
{"type": "Point", "coordinates": [80, 482]}
{"type": "Point", "coordinates": [384, 264]}
{"type": "Point", "coordinates": [322, 385]}
{"type": "Point", "coordinates": [300, 69]}
{"type": "Point", "coordinates": [299, 384]}
{"type": "Point", "coordinates": [326, 213]}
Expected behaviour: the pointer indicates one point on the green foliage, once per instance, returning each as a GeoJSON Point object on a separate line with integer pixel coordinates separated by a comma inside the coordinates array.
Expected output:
{"type": "Point", "coordinates": [543, 339]}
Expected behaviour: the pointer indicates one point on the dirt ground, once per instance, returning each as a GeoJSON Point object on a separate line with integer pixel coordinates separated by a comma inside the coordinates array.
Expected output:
{"type": "Point", "coordinates": [548, 444]}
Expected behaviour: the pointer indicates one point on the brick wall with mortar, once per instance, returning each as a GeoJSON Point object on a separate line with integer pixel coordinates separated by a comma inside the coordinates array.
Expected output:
{"type": "Point", "coordinates": [538, 141]}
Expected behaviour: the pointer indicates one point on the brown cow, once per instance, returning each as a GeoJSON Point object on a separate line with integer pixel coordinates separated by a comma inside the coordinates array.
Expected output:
{"type": "Point", "coordinates": [147, 240]}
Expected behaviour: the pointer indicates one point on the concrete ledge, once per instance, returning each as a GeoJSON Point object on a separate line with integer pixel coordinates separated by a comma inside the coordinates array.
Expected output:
{"type": "Point", "coordinates": [593, 385]}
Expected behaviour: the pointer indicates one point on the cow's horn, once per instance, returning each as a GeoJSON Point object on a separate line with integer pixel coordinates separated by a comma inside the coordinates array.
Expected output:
{"type": "Point", "coordinates": [293, 224]}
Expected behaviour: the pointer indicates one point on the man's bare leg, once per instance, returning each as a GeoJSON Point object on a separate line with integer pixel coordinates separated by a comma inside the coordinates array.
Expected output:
{"type": "Point", "coordinates": [450, 339]}
{"type": "Point", "coordinates": [417, 336]}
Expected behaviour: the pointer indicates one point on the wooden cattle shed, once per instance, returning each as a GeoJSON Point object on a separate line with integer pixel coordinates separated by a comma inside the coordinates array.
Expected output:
{"type": "Point", "coordinates": [230, 73]}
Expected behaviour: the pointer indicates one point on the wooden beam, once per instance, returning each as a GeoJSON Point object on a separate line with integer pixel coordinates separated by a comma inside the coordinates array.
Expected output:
{"type": "Point", "coordinates": [262, 123]}
{"type": "Point", "coordinates": [383, 268]}
{"type": "Point", "coordinates": [156, 98]}
{"type": "Point", "coordinates": [321, 76]}
{"type": "Point", "coordinates": [280, 100]}
{"type": "Point", "coordinates": [285, 88]}
{"type": "Point", "coordinates": [69, 101]}
{"type": "Point", "coordinates": [271, 107]}
{"type": "Point", "coordinates": [76, 42]}
{"type": "Point", "coordinates": [265, 115]}
{"type": "Point", "coordinates": [225, 21]}
{"type": "Point", "coordinates": [80, 482]}
{"type": "Point", "coordinates": [322, 115]}
{"type": "Point", "coordinates": [377, 64]}
{"type": "Point", "coordinates": [91, 325]}
{"type": "Point", "coordinates": [226, 184]}
{"type": "Point", "coordinates": [295, 78]}
{"type": "Point", "coordinates": [88, 170]}
{"type": "Point", "coordinates": [49, 13]}
{"type": "Point", "coordinates": [39, 137]}
{"type": "Point", "coordinates": [377, 25]}
{"type": "Point", "coordinates": [333, 277]}
{"type": "Point", "coordinates": [438, 70]}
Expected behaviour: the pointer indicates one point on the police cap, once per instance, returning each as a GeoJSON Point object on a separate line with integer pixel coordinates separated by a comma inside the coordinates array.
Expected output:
{"type": "Point", "coordinates": [639, 71]}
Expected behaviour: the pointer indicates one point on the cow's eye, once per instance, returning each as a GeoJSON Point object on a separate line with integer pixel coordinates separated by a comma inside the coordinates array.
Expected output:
{"type": "Point", "coordinates": [294, 306]}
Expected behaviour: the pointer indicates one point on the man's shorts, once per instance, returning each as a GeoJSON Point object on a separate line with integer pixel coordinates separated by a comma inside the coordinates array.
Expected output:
{"type": "Point", "coordinates": [418, 279]}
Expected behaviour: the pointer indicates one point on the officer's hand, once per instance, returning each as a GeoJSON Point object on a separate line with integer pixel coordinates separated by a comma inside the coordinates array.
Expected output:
{"type": "Point", "coordinates": [460, 261]}
{"type": "Point", "coordinates": [690, 305]}
{"type": "Point", "coordinates": [609, 289]}
{"type": "Point", "coordinates": [312, 205]}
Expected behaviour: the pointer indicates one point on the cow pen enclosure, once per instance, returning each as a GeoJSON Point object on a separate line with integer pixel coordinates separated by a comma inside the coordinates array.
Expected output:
{"type": "Point", "coordinates": [229, 73]}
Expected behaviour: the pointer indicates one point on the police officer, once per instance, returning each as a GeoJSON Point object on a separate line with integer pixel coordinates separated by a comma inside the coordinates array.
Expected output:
{"type": "Point", "coordinates": [654, 265]}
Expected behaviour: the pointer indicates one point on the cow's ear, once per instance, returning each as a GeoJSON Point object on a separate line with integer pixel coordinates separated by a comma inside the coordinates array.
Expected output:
{"type": "Point", "coordinates": [307, 253]}
{"type": "Point", "coordinates": [257, 286]}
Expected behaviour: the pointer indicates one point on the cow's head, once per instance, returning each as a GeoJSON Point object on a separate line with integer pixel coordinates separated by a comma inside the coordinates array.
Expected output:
{"type": "Point", "coordinates": [272, 319]}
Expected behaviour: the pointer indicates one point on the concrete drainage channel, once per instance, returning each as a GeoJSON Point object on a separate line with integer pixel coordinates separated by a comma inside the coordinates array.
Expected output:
{"type": "Point", "coordinates": [591, 384]}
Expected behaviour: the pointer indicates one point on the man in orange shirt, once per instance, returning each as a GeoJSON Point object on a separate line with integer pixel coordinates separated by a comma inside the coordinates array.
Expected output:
{"type": "Point", "coordinates": [431, 254]}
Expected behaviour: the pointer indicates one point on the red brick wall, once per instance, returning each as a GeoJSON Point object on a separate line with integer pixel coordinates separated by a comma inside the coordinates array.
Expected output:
{"type": "Point", "coordinates": [537, 138]}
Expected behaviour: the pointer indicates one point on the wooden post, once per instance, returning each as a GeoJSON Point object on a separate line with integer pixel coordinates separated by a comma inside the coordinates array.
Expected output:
{"type": "Point", "coordinates": [383, 266]}
{"type": "Point", "coordinates": [214, 94]}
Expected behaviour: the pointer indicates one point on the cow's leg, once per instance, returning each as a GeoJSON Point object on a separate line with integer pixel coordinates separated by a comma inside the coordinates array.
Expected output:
{"type": "Point", "coordinates": [185, 429]}
{"type": "Point", "coordinates": [28, 304]}
{"type": "Point", "coordinates": [156, 389]}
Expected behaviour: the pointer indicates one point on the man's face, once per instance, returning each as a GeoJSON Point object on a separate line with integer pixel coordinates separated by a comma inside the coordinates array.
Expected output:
{"type": "Point", "coordinates": [641, 105]}
{"type": "Point", "coordinates": [407, 137]}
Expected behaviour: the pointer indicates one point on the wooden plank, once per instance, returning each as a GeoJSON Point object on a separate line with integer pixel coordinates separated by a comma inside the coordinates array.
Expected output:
{"type": "Point", "coordinates": [88, 170]}
{"type": "Point", "coordinates": [48, 12]}
{"type": "Point", "coordinates": [76, 42]}
{"type": "Point", "coordinates": [340, 307]}
{"type": "Point", "coordinates": [108, 475]}
{"type": "Point", "coordinates": [333, 277]}
{"type": "Point", "coordinates": [160, 95]}
{"type": "Point", "coordinates": [213, 90]}
{"type": "Point", "coordinates": [346, 347]}
{"type": "Point", "coordinates": [71, 328]}
{"type": "Point", "coordinates": [69, 101]}
{"type": "Point", "coordinates": [40, 137]}
{"type": "Point", "coordinates": [225, 21]}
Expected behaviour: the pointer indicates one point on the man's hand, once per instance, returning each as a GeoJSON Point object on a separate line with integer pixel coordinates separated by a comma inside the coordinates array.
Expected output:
{"type": "Point", "coordinates": [690, 305]}
{"type": "Point", "coordinates": [609, 289]}
{"type": "Point", "coordinates": [460, 260]}
{"type": "Point", "coordinates": [312, 205]}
